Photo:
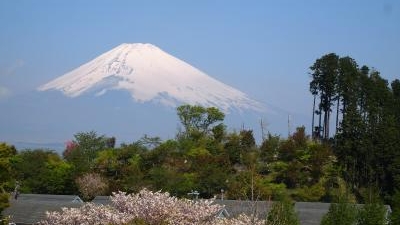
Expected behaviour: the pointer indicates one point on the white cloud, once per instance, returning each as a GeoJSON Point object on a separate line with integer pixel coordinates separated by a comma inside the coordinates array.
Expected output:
{"type": "Point", "coordinates": [4, 92]}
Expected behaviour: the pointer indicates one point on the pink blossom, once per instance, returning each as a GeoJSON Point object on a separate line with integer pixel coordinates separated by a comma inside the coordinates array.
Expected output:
{"type": "Point", "coordinates": [151, 207]}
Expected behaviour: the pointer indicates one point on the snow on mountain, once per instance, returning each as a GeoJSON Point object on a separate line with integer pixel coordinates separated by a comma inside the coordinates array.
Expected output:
{"type": "Point", "coordinates": [150, 74]}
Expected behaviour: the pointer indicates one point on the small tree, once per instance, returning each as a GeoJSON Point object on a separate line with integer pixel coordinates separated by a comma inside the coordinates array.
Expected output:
{"type": "Point", "coordinates": [373, 212]}
{"type": "Point", "coordinates": [282, 213]}
{"type": "Point", "coordinates": [90, 185]}
{"type": "Point", "coordinates": [198, 120]}
{"type": "Point", "coordinates": [342, 212]}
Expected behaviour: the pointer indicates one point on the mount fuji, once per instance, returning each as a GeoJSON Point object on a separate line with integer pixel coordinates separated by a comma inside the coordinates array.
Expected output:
{"type": "Point", "coordinates": [151, 75]}
{"type": "Point", "coordinates": [127, 92]}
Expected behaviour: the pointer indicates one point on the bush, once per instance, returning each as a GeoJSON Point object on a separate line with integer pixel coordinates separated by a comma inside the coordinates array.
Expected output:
{"type": "Point", "coordinates": [372, 214]}
{"type": "Point", "coordinates": [4, 203]}
{"type": "Point", "coordinates": [282, 213]}
{"type": "Point", "coordinates": [342, 213]}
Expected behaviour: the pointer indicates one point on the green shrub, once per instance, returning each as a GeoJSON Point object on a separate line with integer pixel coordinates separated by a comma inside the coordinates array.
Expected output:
{"type": "Point", "coordinates": [282, 213]}
{"type": "Point", "coordinates": [341, 213]}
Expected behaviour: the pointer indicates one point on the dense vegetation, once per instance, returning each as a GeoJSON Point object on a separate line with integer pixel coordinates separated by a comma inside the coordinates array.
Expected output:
{"type": "Point", "coordinates": [361, 158]}
{"type": "Point", "coordinates": [202, 158]}
{"type": "Point", "coordinates": [367, 122]}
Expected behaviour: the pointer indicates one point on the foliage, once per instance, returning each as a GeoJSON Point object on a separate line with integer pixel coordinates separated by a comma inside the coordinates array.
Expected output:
{"type": "Point", "coordinates": [282, 213]}
{"type": "Point", "coordinates": [7, 152]}
{"type": "Point", "coordinates": [208, 164]}
{"type": "Point", "coordinates": [311, 194]}
{"type": "Point", "coordinates": [373, 212]}
{"type": "Point", "coordinates": [82, 151]}
{"type": "Point", "coordinates": [341, 213]}
{"type": "Point", "coordinates": [42, 171]}
{"type": "Point", "coordinates": [4, 201]}
{"type": "Point", "coordinates": [395, 204]}
{"type": "Point", "coordinates": [198, 120]}
{"type": "Point", "coordinates": [269, 148]}
{"type": "Point", "coordinates": [367, 121]}
{"type": "Point", "coordinates": [324, 74]}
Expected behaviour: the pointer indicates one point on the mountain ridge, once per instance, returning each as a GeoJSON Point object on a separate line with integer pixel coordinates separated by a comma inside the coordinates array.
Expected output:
{"type": "Point", "coordinates": [150, 74]}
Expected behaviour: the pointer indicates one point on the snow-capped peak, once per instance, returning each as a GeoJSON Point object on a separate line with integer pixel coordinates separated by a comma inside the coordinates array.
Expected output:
{"type": "Point", "coordinates": [150, 74]}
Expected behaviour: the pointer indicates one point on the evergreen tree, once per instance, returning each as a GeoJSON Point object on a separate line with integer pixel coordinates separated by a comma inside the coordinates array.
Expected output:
{"type": "Point", "coordinates": [372, 214]}
{"type": "Point", "coordinates": [282, 213]}
{"type": "Point", "coordinates": [343, 212]}
{"type": "Point", "coordinates": [324, 76]}
{"type": "Point", "coordinates": [367, 120]}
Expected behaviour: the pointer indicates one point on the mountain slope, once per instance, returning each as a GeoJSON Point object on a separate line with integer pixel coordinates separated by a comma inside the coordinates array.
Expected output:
{"type": "Point", "coordinates": [150, 74]}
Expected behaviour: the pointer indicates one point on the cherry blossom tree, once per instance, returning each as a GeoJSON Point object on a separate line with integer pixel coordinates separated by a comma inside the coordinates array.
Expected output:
{"type": "Point", "coordinates": [90, 185]}
{"type": "Point", "coordinates": [151, 208]}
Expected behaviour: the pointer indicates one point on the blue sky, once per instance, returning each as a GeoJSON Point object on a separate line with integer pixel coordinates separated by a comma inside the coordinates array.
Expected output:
{"type": "Point", "coordinates": [263, 48]}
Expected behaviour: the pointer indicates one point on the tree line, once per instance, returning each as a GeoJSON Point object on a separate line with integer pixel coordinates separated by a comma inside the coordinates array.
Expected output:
{"type": "Point", "coordinates": [204, 157]}
{"type": "Point", "coordinates": [366, 110]}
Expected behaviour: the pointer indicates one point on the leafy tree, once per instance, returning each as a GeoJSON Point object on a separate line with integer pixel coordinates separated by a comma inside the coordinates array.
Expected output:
{"type": "Point", "coordinates": [82, 151]}
{"type": "Point", "coordinates": [198, 120]}
{"type": "Point", "coordinates": [311, 193]}
{"type": "Point", "coordinates": [43, 172]}
{"type": "Point", "coordinates": [123, 167]}
{"type": "Point", "coordinates": [252, 186]}
{"type": "Point", "coordinates": [269, 148]}
{"type": "Point", "coordinates": [149, 142]}
{"type": "Point", "coordinates": [247, 140]}
{"type": "Point", "coordinates": [57, 178]}
{"type": "Point", "coordinates": [6, 154]}
{"type": "Point", "coordinates": [110, 142]}
{"type": "Point", "coordinates": [233, 148]}
{"type": "Point", "coordinates": [107, 162]}
{"type": "Point", "coordinates": [212, 174]}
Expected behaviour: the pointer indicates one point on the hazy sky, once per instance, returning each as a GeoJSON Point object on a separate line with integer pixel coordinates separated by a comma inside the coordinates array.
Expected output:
{"type": "Point", "coordinates": [263, 48]}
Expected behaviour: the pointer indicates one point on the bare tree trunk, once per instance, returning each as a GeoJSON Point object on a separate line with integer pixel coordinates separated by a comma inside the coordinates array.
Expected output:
{"type": "Point", "coordinates": [326, 125]}
{"type": "Point", "coordinates": [320, 118]}
{"type": "Point", "coordinates": [312, 122]}
{"type": "Point", "coordinates": [337, 114]}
